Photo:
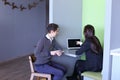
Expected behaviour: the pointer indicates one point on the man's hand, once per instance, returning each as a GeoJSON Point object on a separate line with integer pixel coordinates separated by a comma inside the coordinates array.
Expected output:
{"type": "Point", "coordinates": [57, 52]}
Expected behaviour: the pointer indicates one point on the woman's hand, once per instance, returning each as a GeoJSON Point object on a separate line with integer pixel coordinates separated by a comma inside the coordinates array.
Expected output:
{"type": "Point", "coordinates": [78, 42]}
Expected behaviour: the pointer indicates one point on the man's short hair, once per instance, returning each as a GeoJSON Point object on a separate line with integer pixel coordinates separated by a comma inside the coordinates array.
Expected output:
{"type": "Point", "coordinates": [52, 26]}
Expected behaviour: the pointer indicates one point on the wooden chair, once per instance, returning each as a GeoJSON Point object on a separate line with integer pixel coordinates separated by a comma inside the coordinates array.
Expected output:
{"type": "Point", "coordinates": [36, 74]}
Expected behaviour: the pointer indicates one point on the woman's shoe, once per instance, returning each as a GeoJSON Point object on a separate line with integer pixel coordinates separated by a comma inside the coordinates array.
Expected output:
{"type": "Point", "coordinates": [69, 78]}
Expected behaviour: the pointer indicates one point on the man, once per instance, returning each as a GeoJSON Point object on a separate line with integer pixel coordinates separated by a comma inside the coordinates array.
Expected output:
{"type": "Point", "coordinates": [46, 48]}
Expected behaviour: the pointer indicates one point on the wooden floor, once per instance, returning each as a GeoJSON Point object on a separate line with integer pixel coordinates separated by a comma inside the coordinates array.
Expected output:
{"type": "Point", "coordinates": [17, 69]}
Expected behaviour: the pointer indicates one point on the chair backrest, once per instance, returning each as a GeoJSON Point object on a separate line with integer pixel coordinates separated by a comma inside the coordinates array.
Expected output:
{"type": "Point", "coordinates": [31, 61]}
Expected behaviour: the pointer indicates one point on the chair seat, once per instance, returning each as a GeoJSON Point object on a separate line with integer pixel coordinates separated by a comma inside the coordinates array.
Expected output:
{"type": "Point", "coordinates": [93, 75]}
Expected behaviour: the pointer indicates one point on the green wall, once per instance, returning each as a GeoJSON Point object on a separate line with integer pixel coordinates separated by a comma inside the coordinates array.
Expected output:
{"type": "Point", "coordinates": [93, 12]}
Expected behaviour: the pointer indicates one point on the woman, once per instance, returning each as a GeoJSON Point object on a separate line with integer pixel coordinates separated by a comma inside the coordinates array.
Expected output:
{"type": "Point", "coordinates": [93, 51]}
{"type": "Point", "coordinates": [45, 50]}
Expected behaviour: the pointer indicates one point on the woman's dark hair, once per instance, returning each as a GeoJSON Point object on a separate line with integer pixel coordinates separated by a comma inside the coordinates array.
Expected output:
{"type": "Point", "coordinates": [95, 44]}
{"type": "Point", "coordinates": [52, 26]}
{"type": "Point", "coordinates": [89, 32]}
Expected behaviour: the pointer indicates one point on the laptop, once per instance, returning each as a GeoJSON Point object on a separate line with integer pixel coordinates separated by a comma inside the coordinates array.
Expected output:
{"type": "Point", "coordinates": [72, 44]}
{"type": "Point", "coordinates": [72, 47]}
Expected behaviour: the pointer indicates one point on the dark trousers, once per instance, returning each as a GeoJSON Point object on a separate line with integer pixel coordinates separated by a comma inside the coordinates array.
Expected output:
{"type": "Point", "coordinates": [78, 69]}
{"type": "Point", "coordinates": [53, 68]}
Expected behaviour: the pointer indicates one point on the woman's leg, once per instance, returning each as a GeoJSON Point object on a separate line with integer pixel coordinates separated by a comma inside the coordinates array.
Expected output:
{"type": "Point", "coordinates": [78, 69]}
{"type": "Point", "coordinates": [79, 75]}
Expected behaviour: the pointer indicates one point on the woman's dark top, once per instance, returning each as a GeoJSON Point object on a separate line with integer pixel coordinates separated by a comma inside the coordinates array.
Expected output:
{"type": "Point", "coordinates": [93, 61]}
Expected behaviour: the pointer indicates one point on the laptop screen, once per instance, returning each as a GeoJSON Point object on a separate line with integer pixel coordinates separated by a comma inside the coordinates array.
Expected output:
{"type": "Point", "coordinates": [71, 44]}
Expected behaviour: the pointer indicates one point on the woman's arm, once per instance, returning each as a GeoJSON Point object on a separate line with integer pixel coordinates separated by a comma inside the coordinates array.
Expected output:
{"type": "Point", "coordinates": [84, 47]}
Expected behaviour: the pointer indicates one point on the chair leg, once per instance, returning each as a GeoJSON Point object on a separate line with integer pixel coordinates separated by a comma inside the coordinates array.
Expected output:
{"type": "Point", "coordinates": [49, 78]}
{"type": "Point", "coordinates": [38, 78]}
{"type": "Point", "coordinates": [41, 78]}
{"type": "Point", "coordinates": [31, 77]}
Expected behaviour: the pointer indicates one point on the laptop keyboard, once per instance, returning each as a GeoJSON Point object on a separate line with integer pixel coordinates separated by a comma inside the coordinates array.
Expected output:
{"type": "Point", "coordinates": [70, 53]}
